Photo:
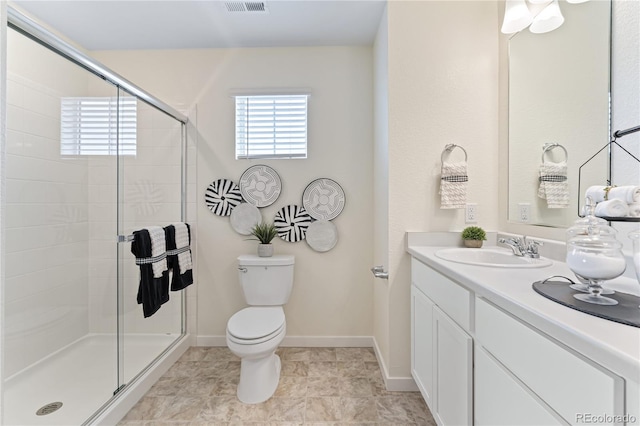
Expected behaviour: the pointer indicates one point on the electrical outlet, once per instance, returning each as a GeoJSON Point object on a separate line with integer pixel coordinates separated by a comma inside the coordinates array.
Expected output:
{"type": "Point", "coordinates": [471, 213]}
{"type": "Point", "coordinates": [525, 212]}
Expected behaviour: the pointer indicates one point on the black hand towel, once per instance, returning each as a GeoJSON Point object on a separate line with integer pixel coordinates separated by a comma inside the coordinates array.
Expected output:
{"type": "Point", "coordinates": [152, 292]}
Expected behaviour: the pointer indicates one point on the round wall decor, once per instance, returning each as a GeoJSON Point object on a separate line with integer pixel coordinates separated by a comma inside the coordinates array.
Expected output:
{"type": "Point", "coordinates": [322, 235]}
{"type": "Point", "coordinates": [222, 196]}
{"type": "Point", "coordinates": [244, 217]}
{"type": "Point", "coordinates": [260, 185]}
{"type": "Point", "coordinates": [292, 222]}
{"type": "Point", "coordinates": [323, 199]}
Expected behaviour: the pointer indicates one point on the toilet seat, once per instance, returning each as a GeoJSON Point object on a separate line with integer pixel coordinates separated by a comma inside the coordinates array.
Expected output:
{"type": "Point", "coordinates": [256, 324]}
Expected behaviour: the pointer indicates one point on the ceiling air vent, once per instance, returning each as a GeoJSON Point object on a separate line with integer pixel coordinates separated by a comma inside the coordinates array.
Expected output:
{"type": "Point", "coordinates": [246, 6]}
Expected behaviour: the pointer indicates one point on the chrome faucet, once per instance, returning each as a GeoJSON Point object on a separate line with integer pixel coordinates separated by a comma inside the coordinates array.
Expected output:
{"type": "Point", "coordinates": [522, 247]}
{"type": "Point", "coordinates": [516, 245]}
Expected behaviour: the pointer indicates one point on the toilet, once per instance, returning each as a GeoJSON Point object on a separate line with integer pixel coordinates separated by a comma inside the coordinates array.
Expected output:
{"type": "Point", "coordinates": [254, 333]}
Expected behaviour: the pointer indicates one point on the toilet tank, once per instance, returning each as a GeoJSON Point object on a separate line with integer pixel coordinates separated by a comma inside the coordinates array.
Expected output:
{"type": "Point", "coordinates": [266, 281]}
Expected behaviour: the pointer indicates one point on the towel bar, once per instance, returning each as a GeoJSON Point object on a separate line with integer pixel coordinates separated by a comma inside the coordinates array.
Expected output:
{"type": "Point", "coordinates": [125, 238]}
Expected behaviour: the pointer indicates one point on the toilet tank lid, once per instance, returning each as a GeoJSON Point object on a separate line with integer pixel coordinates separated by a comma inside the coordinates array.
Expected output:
{"type": "Point", "coordinates": [254, 260]}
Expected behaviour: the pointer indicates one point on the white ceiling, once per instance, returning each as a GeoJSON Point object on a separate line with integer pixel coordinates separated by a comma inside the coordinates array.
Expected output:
{"type": "Point", "coordinates": [182, 24]}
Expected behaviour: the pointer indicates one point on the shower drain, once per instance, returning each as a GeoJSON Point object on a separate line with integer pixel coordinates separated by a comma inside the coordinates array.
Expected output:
{"type": "Point", "coordinates": [49, 408]}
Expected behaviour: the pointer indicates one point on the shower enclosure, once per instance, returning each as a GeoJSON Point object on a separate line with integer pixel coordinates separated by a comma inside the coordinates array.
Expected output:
{"type": "Point", "coordinates": [88, 161]}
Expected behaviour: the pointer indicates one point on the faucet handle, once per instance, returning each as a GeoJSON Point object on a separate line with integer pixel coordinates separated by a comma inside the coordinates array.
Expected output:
{"type": "Point", "coordinates": [532, 248]}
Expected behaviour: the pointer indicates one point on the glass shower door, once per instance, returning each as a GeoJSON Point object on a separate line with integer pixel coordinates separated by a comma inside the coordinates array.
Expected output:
{"type": "Point", "coordinates": [149, 194]}
{"type": "Point", "coordinates": [60, 340]}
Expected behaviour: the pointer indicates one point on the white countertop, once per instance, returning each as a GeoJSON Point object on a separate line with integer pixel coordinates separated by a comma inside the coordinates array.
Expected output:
{"type": "Point", "coordinates": [610, 344]}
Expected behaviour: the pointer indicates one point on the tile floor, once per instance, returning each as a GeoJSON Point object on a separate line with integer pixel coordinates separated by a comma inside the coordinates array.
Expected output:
{"type": "Point", "coordinates": [318, 386]}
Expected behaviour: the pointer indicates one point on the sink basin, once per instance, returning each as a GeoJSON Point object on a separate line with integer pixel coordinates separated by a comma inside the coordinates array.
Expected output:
{"type": "Point", "coordinates": [491, 257]}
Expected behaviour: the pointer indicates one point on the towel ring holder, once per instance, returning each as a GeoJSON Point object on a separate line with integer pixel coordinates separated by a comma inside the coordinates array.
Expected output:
{"type": "Point", "coordinates": [550, 146]}
{"type": "Point", "coordinates": [450, 147]}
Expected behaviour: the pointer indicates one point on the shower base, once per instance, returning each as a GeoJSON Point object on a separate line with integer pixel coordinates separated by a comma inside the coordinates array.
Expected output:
{"type": "Point", "coordinates": [82, 376]}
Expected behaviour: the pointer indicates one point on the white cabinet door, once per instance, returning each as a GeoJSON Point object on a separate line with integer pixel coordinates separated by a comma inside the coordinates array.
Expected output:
{"type": "Point", "coordinates": [501, 401]}
{"type": "Point", "coordinates": [454, 371]}
{"type": "Point", "coordinates": [422, 343]}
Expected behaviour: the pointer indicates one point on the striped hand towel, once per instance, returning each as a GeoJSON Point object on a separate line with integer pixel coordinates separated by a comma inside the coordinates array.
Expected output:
{"type": "Point", "coordinates": [453, 185]}
{"type": "Point", "coordinates": [553, 184]}
{"type": "Point", "coordinates": [178, 238]}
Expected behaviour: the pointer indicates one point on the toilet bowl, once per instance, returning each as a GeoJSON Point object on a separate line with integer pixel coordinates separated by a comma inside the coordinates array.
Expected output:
{"type": "Point", "coordinates": [253, 334]}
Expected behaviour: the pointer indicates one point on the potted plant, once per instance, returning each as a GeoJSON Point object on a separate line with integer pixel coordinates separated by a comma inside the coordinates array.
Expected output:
{"type": "Point", "coordinates": [264, 232]}
{"type": "Point", "coordinates": [473, 236]}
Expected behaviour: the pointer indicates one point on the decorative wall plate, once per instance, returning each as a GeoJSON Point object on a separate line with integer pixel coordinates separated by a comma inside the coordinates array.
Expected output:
{"type": "Point", "coordinates": [222, 196]}
{"type": "Point", "coordinates": [260, 185]}
{"type": "Point", "coordinates": [244, 217]}
{"type": "Point", "coordinates": [322, 235]}
{"type": "Point", "coordinates": [323, 199]}
{"type": "Point", "coordinates": [292, 222]}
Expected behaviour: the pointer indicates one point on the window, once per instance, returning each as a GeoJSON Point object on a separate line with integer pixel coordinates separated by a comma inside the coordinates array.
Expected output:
{"type": "Point", "coordinates": [89, 126]}
{"type": "Point", "coordinates": [271, 126]}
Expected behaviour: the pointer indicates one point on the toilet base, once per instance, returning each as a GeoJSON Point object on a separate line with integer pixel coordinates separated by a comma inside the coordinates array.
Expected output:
{"type": "Point", "coordinates": [259, 378]}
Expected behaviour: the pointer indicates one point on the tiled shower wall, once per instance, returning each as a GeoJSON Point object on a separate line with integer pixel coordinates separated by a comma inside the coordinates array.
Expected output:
{"type": "Point", "coordinates": [47, 227]}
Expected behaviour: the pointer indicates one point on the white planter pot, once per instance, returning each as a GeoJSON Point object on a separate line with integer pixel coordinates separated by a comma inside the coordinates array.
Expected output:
{"type": "Point", "coordinates": [265, 250]}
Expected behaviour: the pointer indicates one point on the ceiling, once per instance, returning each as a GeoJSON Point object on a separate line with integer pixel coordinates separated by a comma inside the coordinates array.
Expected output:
{"type": "Point", "coordinates": [184, 24]}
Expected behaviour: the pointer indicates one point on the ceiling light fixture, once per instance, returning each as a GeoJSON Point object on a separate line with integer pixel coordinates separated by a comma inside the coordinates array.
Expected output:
{"type": "Point", "coordinates": [518, 15]}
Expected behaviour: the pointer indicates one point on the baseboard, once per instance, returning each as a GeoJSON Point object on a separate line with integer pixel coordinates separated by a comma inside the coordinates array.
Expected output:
{"type": "Point", "coordinates": [400, 384]}
{"type": "Point", "coordinates": [302, 341]}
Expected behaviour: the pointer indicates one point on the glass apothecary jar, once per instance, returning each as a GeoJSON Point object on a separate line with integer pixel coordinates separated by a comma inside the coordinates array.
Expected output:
{"type": "Point", "coordinates": [596, 257]}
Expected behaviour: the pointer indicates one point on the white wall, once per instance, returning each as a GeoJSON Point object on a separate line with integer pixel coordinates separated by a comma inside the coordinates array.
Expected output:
{"type": "Point", "coordinates": [332, 295]}
{"type": "Point", "coordinates": [442, 88]}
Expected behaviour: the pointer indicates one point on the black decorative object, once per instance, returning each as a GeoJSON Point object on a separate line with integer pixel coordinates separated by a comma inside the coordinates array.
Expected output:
{"type": "Point", "coordinates": [222, 196]}
{"type": "Point", "coordinates": [260, 185]}
{"type": "Point", "coordinates": [323, 199]}
{"type": "Point", "coordinates": [625, 312]}
{"type": "Point", "coordinates": [291, 223]}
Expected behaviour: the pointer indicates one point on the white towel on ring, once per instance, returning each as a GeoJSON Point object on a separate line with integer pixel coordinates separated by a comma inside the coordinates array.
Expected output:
{"type": "Point", "coordinates": [612, 208]}
{"type": "Point", "coordinates": [553, 184]}
{"type": "Point", "coordinates": [453, 185]}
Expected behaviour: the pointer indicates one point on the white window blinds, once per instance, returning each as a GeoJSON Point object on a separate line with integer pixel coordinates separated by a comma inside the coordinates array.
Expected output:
{"type": "Point", "coordinates": [96, 126]}
{"type": "Point", "coordinates": [271, 126]}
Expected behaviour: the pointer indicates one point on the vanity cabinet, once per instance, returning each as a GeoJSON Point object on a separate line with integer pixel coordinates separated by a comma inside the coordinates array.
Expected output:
{"type": "Point", "coordinates": [477, 364]}
{"type": "Point", "coordinates": [441, 349]}
{"type": "Point", "coordinates": [501, 400]}
{"type": "Point", "coordinates": [557, 380]}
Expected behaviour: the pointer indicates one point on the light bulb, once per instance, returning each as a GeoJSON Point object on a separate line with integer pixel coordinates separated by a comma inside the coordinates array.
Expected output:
{"type": "Point", "coordinates": [516, 16]}
{"type": "Point", "coordinates": [548, 20]}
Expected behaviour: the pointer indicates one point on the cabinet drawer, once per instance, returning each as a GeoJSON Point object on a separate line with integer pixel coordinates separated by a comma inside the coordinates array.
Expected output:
{"type": "Point", "coordinates": [566, 382]}
{"type": "Point", "coordinates": [452, 299]}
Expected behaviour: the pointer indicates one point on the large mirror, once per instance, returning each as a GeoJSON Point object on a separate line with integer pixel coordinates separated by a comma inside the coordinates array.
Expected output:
{"type": "Point", "coordinates": [559, 94]}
